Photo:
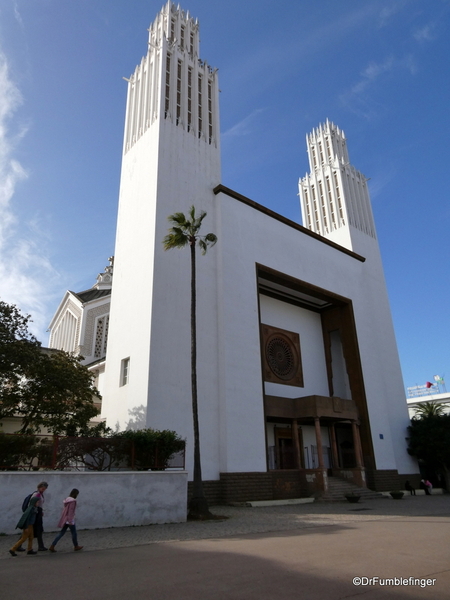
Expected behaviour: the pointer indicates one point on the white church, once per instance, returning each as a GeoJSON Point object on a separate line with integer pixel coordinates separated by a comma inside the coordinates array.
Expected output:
{"type": "Point", "coordinates": [299, 379]}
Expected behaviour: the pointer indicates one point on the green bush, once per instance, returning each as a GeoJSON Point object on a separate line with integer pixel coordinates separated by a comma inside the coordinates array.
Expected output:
{"type": "Point", "coordinates": [152, 449]}
{"type": "Point", "coordinates": [17, 451]}
{"type": "Point", "coordinates": [141, 450]}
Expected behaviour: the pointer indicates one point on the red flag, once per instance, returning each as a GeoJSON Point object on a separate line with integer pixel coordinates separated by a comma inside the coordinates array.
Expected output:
{"type": "Point", "coordinates": [428, 384]}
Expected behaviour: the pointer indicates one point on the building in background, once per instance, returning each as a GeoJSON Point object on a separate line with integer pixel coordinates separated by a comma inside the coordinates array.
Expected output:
{"type": "Point", "coordinates": [299, 378]}
{"type": "Point", "coordinates": [81, 322]}
{"type": "Point", "coordinates": [435, 392]}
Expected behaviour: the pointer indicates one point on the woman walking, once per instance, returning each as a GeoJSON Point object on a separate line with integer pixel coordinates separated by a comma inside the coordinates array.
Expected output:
{"type": "Point", "coordinates": [26, 523]}
{"type": "Point", "coordinates": [67, 521]}
{"type": "Point", "coordinates": [38, 524]}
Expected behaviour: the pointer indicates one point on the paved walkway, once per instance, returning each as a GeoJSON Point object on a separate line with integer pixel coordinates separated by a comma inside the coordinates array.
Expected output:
{"type": "Point", "coordinates": [301, 551]}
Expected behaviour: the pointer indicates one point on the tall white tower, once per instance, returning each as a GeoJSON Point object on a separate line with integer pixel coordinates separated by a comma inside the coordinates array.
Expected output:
{"type": "Point", "coordinates": [171, 160]}
{"type": "Point", "coordinates": [335, 200]}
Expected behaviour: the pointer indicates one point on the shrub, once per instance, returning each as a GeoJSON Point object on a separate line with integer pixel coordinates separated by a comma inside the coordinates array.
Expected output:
{"type": "Point", "coordinates": [152, 449]}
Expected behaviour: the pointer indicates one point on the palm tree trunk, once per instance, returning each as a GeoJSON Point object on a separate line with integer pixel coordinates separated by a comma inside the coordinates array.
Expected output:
{"type": "Point", "coordinates": [198, 505]}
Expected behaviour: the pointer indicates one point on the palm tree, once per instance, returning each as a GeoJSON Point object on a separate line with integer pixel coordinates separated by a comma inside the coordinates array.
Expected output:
{"type": "Point", "coordinates": [424, 410]}
{"type": "Point", "coordinates": [185, 232]}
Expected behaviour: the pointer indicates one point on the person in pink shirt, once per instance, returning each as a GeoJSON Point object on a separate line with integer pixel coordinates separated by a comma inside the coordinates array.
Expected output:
{"type": "Point", "coordinates": [67, 521]}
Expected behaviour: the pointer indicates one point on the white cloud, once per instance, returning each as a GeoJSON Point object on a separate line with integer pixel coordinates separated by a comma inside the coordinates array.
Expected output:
{"type": "Point", "coordinates": [358, 98]}
{"type": "Point", "coordinates": [243, 127]}
{"type": "Point", "coordinates": [380, 180]}
{"type": "Point", "coordinates": [25, 269]}
{"type": "Point", "coordinates": [17, 15]}
{"type": "Point", "coordinates": [390, 11]}
{"type": "Point", "coordinates": [371, 73]}
{"type": "Point", "coordinates": [425, 33]}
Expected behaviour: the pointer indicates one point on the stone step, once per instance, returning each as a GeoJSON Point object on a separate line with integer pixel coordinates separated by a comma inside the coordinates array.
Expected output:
{"type": "Point", "coordinates": [338, 488]}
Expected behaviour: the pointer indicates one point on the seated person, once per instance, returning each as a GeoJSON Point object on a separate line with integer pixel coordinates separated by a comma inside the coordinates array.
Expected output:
{"type": "Point", "coordinates": [409, 488]}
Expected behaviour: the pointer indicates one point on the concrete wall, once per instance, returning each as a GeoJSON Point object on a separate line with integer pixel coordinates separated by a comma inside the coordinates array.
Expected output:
{"type": "Point", "coordinates": [105, 500]}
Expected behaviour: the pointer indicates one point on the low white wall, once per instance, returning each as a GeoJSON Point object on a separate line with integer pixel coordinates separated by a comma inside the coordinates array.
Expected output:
{"type": "Point", "coordinates": [112, 499]}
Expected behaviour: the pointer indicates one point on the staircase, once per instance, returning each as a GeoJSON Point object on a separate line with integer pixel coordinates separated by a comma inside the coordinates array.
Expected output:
{"type": "Point", "coordinates": [337, 488]}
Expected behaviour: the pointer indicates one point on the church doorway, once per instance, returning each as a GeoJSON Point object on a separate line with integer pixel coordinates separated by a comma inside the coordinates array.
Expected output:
{"type": "Point", "coordinates": [345, 446]}
{"type": "Point", "coordinates": [285, 451]}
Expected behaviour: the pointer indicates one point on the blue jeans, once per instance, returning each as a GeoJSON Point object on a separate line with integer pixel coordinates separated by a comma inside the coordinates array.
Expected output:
{"type": "Point", "coordinates": [73, 531]}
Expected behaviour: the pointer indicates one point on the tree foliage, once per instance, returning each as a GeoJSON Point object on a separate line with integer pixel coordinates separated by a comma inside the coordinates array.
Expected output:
{"type": "Point", "coordinates": [152, 448]}
{"type": "Point", "coordinates": [185, 231]}
{"type": "Point", "coordinates": [429, 409]}
{"type": "Point", "coordinates": [429, 441]}
{"type": "Point", "coordinates": [138, 450]}
{"type": "Point", "coordinates": [45, 388]}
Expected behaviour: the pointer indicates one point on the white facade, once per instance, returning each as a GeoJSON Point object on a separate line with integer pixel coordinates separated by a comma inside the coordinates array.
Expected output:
{"type": "Point", "coordinates": [171, 160]}
{"type": "Point", "coordinates": [324, 288]}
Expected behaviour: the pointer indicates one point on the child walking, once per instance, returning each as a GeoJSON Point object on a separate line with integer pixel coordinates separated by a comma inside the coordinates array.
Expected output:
{"type": "Point", "coordinates": [67, 521]}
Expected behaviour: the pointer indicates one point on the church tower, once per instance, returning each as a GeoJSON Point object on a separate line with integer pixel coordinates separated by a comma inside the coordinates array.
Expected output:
{"type": "Point", "coordinates": [171, 160]}
{"type": "Point", "coordinates": [335, 200]}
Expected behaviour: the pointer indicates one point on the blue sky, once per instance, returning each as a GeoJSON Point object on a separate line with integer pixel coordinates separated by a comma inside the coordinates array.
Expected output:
{"type": "Point", "coordinates": [378, 69]}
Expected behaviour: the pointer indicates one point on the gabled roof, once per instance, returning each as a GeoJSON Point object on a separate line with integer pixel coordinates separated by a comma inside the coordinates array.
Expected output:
{"type": "Point", "coordinates": [92, 294]}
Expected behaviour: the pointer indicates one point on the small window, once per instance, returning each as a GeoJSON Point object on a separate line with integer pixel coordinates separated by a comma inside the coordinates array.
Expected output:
{"type": "Point", "coordinates": [125, 371]}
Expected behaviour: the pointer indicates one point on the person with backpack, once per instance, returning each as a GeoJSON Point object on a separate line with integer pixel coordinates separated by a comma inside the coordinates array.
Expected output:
{"type": "Point", "coordinates": [38, 526]}
{"type": "Point", "coordinates": [67, 521]}
{"type": "Point", "coordinates": [26, 523]}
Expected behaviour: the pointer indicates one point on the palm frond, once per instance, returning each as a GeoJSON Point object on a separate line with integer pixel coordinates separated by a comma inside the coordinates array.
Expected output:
{"type": "Point", "coordinates": [177, 218]}
{"type": "Point", "coordinates": [207, 240]}
{"type": "Point", "coordinates": [211, 238]}
{"type": "Point", "coordinates": [175, 239]}
{"type": "Point", "coordinates": [186, 229]}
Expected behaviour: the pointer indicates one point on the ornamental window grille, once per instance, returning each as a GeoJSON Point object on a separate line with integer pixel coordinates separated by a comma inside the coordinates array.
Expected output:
{"type": "Point", "coordinates": [313, 152]}
{"type": "Point", "coordinates": [328, 148]}
{"type": "Point", "coordinates": [330, 200]}
{"type": "Point", "coordinates": [308, 209]}
{"type": "Point", "coordinates": [322, 202]}
{"type": "Point", "coordinates": [316, 210]}
{"type": "Point", "coordinates": [105, 337]}
{"type": "Point", "coordinates": [167, 94]}
{"type": "Point", "coordinates": [281, 356]}
{"type": "Point", "coordinates": [338, 194]}
{"type": "Point", "coordinates": [101, 336]}
{"type": "Point", "coordinates": [189, 99]}
{"type": "Point", "coordinates": [322, 159]}
{"type": "Point", "coordinates": [200, 110]}
{"type": "Point", "coordinates": [179, 91]}
{"type": "Point", "coordinates": [210, 118]}
{"type": "Point", "coordinates": [182, 30]}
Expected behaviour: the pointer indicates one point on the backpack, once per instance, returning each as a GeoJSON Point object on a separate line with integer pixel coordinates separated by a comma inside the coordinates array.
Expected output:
{"type": "Point", "coordinates": [26, 502]}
